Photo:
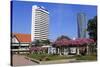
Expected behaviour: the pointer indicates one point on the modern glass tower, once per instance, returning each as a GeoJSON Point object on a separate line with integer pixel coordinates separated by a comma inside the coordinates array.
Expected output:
{"type": "Point", "coordinates": [40, 21]}
{"type": "Point", "coordinates": [81, 23]}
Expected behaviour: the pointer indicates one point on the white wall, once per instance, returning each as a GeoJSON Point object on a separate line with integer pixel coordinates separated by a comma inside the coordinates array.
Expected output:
{"type": "Point", "coordinates": [25, 44]}
{"type": "Point", "coordinates": [14, 40]}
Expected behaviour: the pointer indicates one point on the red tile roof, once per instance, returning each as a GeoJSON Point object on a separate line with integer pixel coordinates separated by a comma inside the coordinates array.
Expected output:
{"type": "Point", "coordinates": [23, 37]}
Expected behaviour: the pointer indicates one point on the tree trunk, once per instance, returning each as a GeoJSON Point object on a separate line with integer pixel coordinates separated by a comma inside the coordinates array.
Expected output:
{"type": "Point", "coordinates": [87, 48]}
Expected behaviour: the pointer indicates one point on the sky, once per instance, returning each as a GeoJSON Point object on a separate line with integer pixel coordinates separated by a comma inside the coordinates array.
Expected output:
{"type": "Point", "coordinates": [63, 17]}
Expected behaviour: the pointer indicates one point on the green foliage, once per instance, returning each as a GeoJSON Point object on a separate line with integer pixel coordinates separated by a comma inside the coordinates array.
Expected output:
{"type": "Point", "coordinates": [49, 57]}
{"type": "Point", "coordinates": [37, 43]}
{"type": "Point", "coordinates": [46, 42]}
{"type": "Point", "coordinates": [63, 37]}
{"type": "Point", "coordinates": [88, 57]}
{"type": "Point", "coordinates": [41, 42]}
{"type": "Point", "coordinates": [92, 28]}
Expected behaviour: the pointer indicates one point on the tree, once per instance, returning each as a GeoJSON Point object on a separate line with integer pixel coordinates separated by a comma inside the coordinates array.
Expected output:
{"type": "Point", "coordinates": [92, 28]}
{"type": "Point", "coordinates": [37, 43]}
{"type": "Point", "coordinates": [41, 42]}
{"type": "Point", "coordinates": [63, 37]}
{"type": "Point", "coordinates": [46, 42]}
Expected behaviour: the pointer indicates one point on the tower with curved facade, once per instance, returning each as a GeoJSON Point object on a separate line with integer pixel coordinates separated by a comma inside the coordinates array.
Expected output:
{"type": "Point", "coordinates": [81, 23]}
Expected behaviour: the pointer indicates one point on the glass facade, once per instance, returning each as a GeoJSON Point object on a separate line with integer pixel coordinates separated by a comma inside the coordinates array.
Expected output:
{"type": "Point", "coordinates": [81, 23]}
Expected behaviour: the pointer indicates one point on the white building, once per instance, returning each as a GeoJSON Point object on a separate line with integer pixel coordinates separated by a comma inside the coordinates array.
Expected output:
{"type": "Point", "coordinates": [40, 20]}
{"type": "Point", "coordinates": [20, 43]}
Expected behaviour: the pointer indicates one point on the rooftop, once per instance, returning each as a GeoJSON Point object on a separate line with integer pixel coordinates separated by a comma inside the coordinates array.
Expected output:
{"type": "Point", "coordinates": [23, 37]}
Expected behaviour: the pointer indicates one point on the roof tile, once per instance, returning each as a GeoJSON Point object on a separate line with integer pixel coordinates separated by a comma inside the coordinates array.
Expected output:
{"type": "Point", "coordinates": [23, 37]}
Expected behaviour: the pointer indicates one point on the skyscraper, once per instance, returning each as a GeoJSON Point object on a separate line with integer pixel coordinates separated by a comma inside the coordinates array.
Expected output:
{"type": "Point", "coordinates": [40, 21]}
{"type": "Point", "coordinates": [81, 23]}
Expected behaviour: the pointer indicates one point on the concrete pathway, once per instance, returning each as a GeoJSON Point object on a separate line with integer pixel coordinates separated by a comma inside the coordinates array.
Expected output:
{"type": "Point", "coordinates": [20, 60]}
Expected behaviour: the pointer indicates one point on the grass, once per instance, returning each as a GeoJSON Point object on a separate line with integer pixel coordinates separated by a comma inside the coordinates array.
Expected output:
{"type": "Point", "coordinates": [87, 57]}
{"type": "Point", "coordinates": [47, 57]}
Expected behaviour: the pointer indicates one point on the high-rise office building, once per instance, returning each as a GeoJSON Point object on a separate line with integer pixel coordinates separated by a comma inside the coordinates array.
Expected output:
{"type": "Point", "coordinates": [82, 25]}
{"type": "Point", "coordinates": [40, 21]}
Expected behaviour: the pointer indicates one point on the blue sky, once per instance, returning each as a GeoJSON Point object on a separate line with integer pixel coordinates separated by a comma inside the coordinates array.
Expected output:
{"type": "Point", "coordinates": [63, 17]}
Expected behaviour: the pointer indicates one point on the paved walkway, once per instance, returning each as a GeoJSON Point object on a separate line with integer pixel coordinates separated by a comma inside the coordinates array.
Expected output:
{"type": "Point", "coordinates": [20, 60]}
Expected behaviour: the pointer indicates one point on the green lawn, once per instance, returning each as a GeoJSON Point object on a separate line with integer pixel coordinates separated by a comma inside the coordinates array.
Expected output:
{"type": "Point", "coordinates": [87, 57]}
{"type": "Point", "coordinates": [46, 57]}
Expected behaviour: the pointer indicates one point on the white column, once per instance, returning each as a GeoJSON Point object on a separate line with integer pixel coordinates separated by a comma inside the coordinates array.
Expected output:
{"type": "Point", "coordinates": [78, 52]}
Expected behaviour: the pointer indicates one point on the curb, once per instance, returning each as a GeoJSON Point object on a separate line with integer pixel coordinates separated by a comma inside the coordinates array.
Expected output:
{"type": "Point", "coordinates": [51, 62]}
{"type": "Point", "coordinates": [58, 61]}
